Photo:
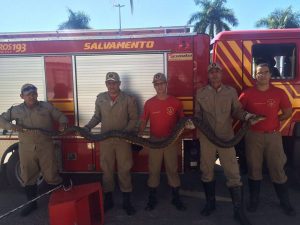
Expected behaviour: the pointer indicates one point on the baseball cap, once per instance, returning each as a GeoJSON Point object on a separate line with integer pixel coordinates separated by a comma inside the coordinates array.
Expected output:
{"type": "Point", "coordinates": [159, 77]}
{"type": "Point", "coordinates": [113, 76]}
{"type": "Point", "coordinates": [214, 66]}
{"type": "Point", "coordinates": [28, 88]}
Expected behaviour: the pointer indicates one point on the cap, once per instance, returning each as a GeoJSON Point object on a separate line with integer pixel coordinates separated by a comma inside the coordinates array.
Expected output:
{"type": "Point", "coordinates": [28, 88]}
{"type": "Point", "coordinates": [113, 76]}
{"type": "Point", "coordinates": [213, 66]}
{"type": "Point", "coordinates": [159, 77]}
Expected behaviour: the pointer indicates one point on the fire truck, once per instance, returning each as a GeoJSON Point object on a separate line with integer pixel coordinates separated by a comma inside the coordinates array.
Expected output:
{"type": "Point", "coordinates": [69, 68]}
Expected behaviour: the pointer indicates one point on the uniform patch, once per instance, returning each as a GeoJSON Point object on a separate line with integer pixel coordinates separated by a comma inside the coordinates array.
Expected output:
{"type": "Point", "coordinates": [170, 110]}
{"type": "Point", "coordinates": [271, 103]}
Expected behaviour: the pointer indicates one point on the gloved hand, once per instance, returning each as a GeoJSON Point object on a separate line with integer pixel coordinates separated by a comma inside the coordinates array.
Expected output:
{"type": "Point", "coordinates": [189, 125]}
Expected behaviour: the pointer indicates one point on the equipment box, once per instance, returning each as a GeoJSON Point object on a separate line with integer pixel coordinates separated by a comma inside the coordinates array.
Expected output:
{"type": "Point", "coordinates": [82, 205]}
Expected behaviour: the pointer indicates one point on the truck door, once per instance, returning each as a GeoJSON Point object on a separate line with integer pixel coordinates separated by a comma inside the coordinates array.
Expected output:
{"type": "Point", "coordinates": [16, 71]}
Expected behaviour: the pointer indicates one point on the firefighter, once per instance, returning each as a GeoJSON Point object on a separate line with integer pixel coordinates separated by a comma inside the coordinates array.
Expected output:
{"type": "Point", "coordinates": [163, 111]}
{"type": "Point", "coordinates": [264, 140]}
{"type": "Point", "coordinates": [217, 104]}
{"type": "Point", "coordinates": [116, 111]}
{"type": "Point", "coordinates": [36, 150]}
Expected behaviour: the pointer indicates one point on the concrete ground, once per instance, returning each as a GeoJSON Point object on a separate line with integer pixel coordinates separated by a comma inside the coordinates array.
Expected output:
{"type": "Point", "coordinates": [165, 214]}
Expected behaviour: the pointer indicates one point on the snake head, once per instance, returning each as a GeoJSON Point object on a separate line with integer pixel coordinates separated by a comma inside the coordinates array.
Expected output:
{"type": "Point", "coordinates": [255, 119]}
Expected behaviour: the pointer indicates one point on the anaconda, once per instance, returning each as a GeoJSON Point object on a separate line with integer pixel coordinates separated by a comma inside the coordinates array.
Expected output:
{"type": "Point", "coordinates": [146, 142]}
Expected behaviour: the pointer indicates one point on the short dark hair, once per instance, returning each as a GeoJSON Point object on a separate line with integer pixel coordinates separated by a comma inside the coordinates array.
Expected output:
{"type": "Point", "coordinates": [263, 65]}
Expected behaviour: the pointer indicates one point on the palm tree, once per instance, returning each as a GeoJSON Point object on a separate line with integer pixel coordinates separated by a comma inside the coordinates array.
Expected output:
{"type": "Point", "coordinates": [76, 20]}
{"type": "Point", "coordinates": [213, 18]}
{"type": "Point", "coordinates": [280, 18]}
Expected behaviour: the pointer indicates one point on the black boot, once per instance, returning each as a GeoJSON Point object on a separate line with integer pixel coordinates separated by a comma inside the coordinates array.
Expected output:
{"type": "Point", "coordinates": [237, 200]}
{"type": "Point", "coordinates": [283, 195]}
{"type": "Point", "coordinates": [31, 193]}
{"type": "Point", "coordinates": [108, 201]}
{"type": "Point", "coordinates": [210, 195]}
{"type": "Point", "coordinates": [254, 189]}
{"type": "Point", "coordinates": [152, 201]}
{"type": "Point", "coordinates": [176, 201]}
{"type": "Point", "coordinates": [127, 206]}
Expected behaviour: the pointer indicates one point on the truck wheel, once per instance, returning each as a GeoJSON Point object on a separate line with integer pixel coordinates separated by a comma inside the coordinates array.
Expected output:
{"type": "Point", "coordinates": [13, 172]}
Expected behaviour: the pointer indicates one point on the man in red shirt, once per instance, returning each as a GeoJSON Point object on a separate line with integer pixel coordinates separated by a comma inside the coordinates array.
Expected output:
{"type": "Point", "coordinates": [163, 111]}
{"type": "Point", "coordinates": [264, 139]}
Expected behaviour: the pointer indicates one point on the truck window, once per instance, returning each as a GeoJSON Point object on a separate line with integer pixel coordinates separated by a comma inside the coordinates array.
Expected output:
{"type": "Point", "coordinates": [280, 57]}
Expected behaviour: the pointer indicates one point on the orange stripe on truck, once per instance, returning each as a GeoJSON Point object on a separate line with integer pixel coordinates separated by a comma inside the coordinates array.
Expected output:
{"type": "Point", "coordinates": [247, 65]}
{"type": "Point", "coordinates": [187, 103]}
{"type": "Point", "coordinates": [221, 45]}
{"type": "Point", "coordinates": [64, 106]}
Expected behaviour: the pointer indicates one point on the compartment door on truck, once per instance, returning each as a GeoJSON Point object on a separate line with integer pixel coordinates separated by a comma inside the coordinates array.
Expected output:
{"type": "Point", "coordinates": [136, 72]}
{"type": "Point", "coordinates": [16, 71]}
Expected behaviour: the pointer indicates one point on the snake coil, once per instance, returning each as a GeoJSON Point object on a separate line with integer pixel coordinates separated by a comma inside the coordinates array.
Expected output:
{"type": "Point", "coordinates": [131, 137]}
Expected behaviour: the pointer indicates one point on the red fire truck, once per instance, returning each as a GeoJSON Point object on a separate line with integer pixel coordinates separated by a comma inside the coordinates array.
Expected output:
{"type": "Point", "coordinates": [69, 67]}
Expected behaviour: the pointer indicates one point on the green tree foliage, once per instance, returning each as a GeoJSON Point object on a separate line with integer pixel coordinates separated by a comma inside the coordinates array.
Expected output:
{"type": "Point", "coordinates": [280, 18]}
{"type": "Point", "coordinates": [213, 18]}
{"type": "Point", "coordinates": [76, 20]}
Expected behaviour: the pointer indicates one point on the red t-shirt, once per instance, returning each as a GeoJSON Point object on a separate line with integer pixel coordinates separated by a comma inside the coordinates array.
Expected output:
{"type": "Point", "coordinates": [163, 115]}
{"type": "Point", "coordinates": [266, 103]}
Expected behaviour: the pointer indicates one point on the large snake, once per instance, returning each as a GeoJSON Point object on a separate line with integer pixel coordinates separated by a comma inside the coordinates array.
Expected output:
{"type": "Point", "coordinates": [146, 142]}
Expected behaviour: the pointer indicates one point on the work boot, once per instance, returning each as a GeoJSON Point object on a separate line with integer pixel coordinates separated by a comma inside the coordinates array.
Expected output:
{"type": "Point", "coordinates": [237, 200]}
{"type": "Point", "coordinates": [108, 201]}
{"type": "Point", "coordinates": [176, 201]}
{"type": "Point", "coordinates": [31, 193]}
{"type": "Point", "coordinates": [152, 201]}
{"type": "Point", "coordinates": [254, 189]}
{"type": "Point", "coordinates": [210, 195]}
{"type": "Point", "coordinates": [127, 206]}
{"type": "Point", "coordinates": [283, 195]}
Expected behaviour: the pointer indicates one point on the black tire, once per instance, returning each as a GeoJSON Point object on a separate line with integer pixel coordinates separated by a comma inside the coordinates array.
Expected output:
{"type": "Point", "coordinates": [13, 172]}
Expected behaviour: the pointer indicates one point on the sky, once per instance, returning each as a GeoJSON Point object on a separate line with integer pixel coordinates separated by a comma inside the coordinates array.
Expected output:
{"type": "Point", "coordinates": [47, 15]}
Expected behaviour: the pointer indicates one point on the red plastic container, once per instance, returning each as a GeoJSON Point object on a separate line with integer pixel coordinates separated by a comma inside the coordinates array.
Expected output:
{"type": "Point", "coordinates": [82, 205]}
